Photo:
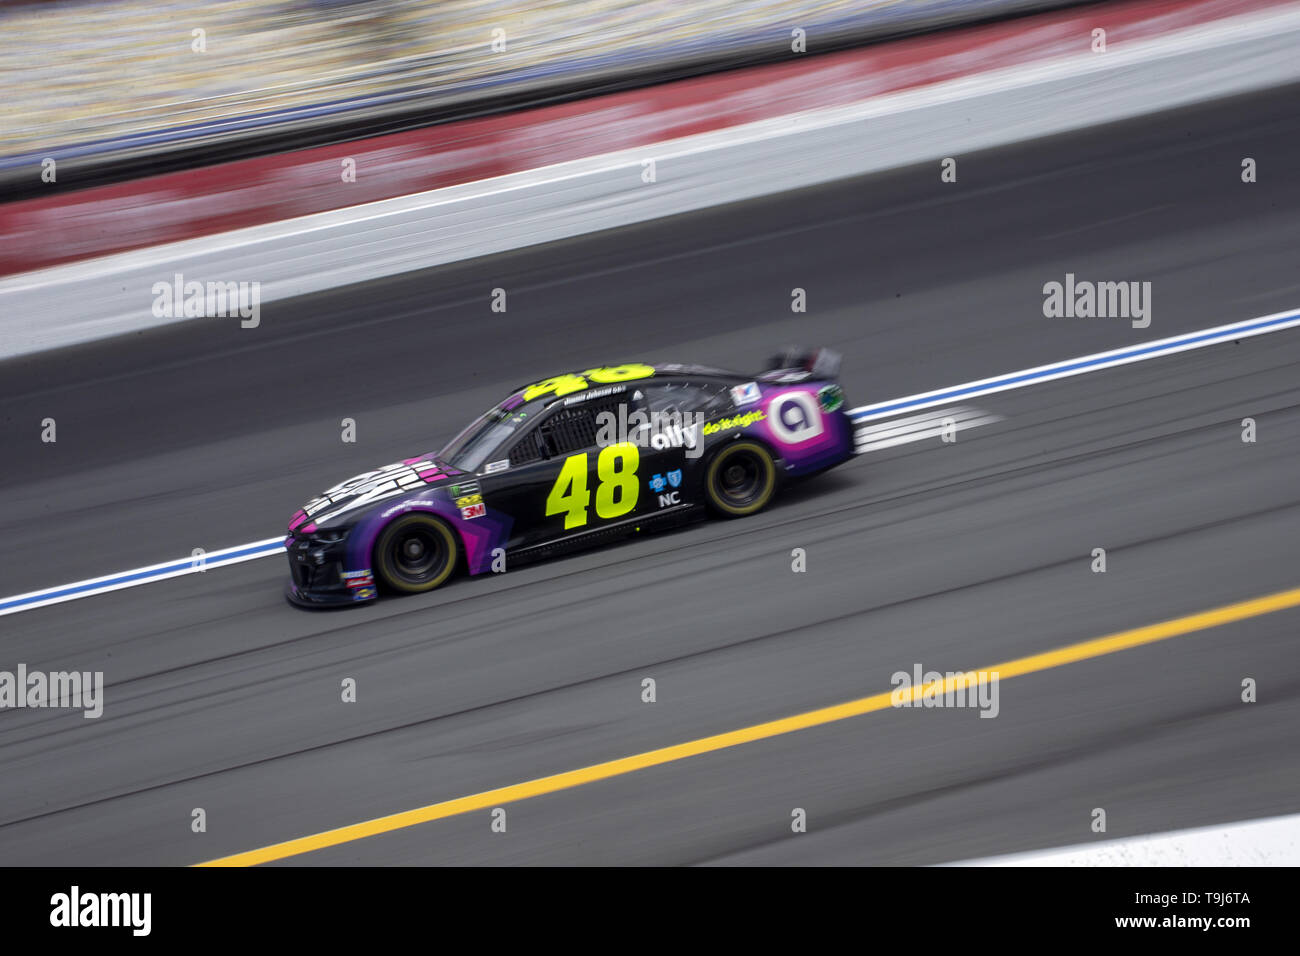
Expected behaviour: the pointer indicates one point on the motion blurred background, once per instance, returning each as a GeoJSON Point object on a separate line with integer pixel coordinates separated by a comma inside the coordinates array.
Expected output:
{"type": "Point", "coordinates": [99, 78]}
{"type": "Point", "coordinates": [214, 140]}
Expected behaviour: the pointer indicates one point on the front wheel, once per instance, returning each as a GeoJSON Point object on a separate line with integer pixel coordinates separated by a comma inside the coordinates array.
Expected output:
{"type": "Point", "coordinates": [416, 553]}
{"type": "Point", "coordinates": [741, 479]}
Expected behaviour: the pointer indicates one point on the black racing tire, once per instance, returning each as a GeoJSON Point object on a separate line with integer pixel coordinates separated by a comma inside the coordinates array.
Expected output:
{"type": "Point", "coordinates": [740, 480]}
{"type": "Point", "coordinates": [416, 553]}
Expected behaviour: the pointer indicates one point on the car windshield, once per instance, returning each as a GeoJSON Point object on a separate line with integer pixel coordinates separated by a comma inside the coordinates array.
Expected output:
{"type": "Point", "coordinates": [490, 432]}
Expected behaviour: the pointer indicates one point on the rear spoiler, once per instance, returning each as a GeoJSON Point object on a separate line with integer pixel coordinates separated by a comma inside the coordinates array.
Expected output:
{"type": "Point", "coordinates": [794, 364]}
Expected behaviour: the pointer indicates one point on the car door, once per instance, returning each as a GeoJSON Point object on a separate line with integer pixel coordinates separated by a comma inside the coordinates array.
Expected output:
{"type": "Point", "coordinates": [598, 481]}
{"type": "Point", "coordinates": [676, 412]}
{"type": "Point", "coordinates": [559, 480]}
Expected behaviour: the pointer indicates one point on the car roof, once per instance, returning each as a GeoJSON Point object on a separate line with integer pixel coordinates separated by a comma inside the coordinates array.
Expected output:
{"type": "Point", "coordinates": [663, 371]}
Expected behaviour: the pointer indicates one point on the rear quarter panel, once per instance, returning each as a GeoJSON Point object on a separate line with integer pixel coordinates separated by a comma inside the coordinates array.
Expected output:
{"type": "Point", "coordinates": [806, 425]}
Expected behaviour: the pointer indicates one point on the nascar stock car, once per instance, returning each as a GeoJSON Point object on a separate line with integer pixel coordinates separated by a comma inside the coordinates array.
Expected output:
{"type": "Point", "coordinates": [572, 461]}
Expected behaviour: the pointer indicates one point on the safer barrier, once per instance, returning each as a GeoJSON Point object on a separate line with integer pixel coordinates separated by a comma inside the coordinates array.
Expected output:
{"type": "Point", "coordinates": [161, 209]}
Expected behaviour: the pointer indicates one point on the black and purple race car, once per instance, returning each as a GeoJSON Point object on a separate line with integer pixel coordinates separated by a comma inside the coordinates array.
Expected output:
{"type": "Point", "coordinates": [572, 461]}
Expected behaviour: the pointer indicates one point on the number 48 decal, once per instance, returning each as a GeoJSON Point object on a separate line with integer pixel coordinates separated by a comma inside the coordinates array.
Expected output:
{"type": "Point", "coordinates": [616, 492]}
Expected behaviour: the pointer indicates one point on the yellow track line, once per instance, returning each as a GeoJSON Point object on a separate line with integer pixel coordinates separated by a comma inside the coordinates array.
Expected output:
{"type": "Point", "coordinates": [1097, 647]}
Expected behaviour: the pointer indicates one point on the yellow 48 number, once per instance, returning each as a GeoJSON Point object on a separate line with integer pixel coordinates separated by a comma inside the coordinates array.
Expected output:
{"type": "Point", "coordinates": [566, 384]}
{"type": "Point", "coordinates": [616, 492]}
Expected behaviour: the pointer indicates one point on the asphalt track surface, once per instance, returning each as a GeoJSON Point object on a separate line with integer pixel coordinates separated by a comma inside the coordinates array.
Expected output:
{"type": "Point", "coordinates": [951, 556]}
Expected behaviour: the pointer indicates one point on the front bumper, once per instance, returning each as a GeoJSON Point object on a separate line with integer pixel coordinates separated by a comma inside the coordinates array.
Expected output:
{"type": "Point", "coordinates": [318, 576]}
{"type": "Point", "coordinates": [306, 598]}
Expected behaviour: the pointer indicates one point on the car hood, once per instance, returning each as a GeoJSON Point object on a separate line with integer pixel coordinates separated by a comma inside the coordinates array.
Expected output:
{"type": "Point", "coordinates": [345, 501]}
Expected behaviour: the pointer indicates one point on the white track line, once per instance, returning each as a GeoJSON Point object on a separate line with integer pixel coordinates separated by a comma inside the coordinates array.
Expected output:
{"type": "Point", "coordinates": [1274, 841]}
{"type": "Point", "coordinates": [1187, 342]}
{"type": "Point", "coordinates": [138, 576]}
{"type": "Point", "coordinates": [892, 408]}
{"type": "Point", "coordinates": [931, 424]}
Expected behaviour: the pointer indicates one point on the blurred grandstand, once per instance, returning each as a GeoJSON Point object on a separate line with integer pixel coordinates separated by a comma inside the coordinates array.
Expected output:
{"type": "Point", "coordinates": [115, 75]}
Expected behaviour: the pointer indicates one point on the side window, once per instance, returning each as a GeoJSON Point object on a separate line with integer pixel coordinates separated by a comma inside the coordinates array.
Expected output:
{"type": "Point", "coordinates": [569, 429]}
{"type": "Point", "coordinates": [716, 398]}
{"type": "Point", "coordinates": [527, 449]}
{"type": "Point", "coordinates": [679, 398]}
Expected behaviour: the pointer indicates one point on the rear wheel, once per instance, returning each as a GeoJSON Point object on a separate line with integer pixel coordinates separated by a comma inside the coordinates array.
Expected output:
{"type": "Point", "coordinates": [741, 479]}
{"type": "Point", "coordinates": [415, 553]}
